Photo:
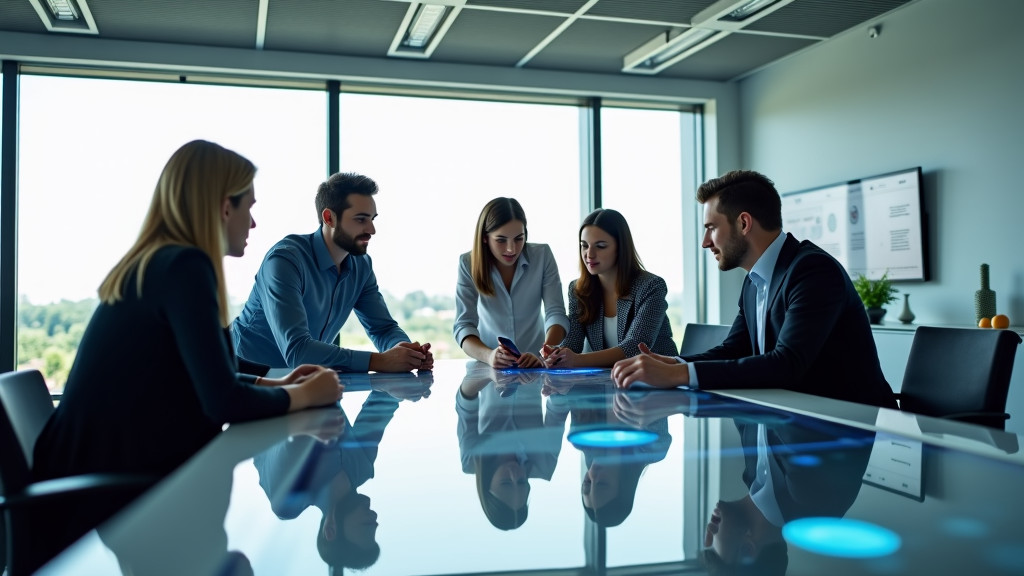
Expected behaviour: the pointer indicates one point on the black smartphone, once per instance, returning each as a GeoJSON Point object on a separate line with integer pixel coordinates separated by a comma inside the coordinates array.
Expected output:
{"type": "Point", "coordinates": [510, 345]}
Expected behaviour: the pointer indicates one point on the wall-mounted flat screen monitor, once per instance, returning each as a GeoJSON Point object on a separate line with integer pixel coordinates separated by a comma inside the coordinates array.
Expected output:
{"type": "Point", "coordinates": [873, 225]}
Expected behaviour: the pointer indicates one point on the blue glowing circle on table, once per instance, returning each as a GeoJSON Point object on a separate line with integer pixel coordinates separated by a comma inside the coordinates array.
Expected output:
{"type": "Point", "coordinates": [965, 527]}
{"type": "Point", "coordinates": [611, 438]}
{"type": "Point", "coordinates": [576, 370]}
{"type": "Point", "coordinates": [841, 537]}
{"type": "Point", "coordinates": [806, 460]}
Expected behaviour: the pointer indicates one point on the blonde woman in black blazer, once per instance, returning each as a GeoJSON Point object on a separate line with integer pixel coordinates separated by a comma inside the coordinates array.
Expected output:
{"type": "Point", "coordinates": [615, 305]}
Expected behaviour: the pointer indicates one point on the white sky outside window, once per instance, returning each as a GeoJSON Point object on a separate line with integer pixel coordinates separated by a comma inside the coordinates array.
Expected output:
{"type": "Point", "coordinates": [438, 162]}
{"type": "Point", "coordinates": [642, 179]}
{"type": "Point", "coordinates": [85, 183]}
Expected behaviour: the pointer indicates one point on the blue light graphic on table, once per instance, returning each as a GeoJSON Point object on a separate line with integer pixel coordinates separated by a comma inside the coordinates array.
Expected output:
{"type": "Point", "coordinates": [553, 370]}
{"type": "Point", "coordinates": [841, 537]}
{"type": "Point", "coordinates": [611, 438]}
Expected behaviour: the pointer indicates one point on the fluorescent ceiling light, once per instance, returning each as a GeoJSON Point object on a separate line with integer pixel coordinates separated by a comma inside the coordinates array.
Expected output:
{"type": "Point", "coordinates": [426, 22]}
{"type": "Point", "coordinates": [665, 50]}
{"type": "Point", "coordinates": [423, 27]}
{"type": "Point", "coordinates": [747, 10]}
{"type": "Point", "coordinates": [63, 9]}
{"type": "Point", "coordinates": [732, 15]}
{"type": "Point", "coordinates": [65, 16]}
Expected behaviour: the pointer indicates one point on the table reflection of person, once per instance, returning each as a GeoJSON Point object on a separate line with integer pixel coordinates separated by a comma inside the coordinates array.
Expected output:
{"type": "Point", "coordinates": [793, 468]}
{"type": "Point", "coordinates": [197, 524]}
{"type": "Point", "coordinates": [612, 474]}
{"type": "Point", "coordinates": [325, 472]}
{"type": "Point", "coordinates": [506, 437]}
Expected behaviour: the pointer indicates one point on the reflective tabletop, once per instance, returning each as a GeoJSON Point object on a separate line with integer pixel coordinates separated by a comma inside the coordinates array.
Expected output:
{"type": "Point", "coordinates": [468, 470]}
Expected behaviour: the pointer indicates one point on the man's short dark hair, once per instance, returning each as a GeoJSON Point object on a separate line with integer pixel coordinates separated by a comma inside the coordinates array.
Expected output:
{"type": "Point", "coordinates": [333, 193]}
{"type": "Point", "coordinates": [745, 191]}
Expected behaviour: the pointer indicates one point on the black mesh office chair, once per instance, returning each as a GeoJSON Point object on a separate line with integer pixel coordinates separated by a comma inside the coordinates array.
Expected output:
{"type": "Point", "coordinates": [25, 405]}
{"type": "Point", "coordinates": [699, 338]}
{"type": "Point", "coordinates": [960, 373]}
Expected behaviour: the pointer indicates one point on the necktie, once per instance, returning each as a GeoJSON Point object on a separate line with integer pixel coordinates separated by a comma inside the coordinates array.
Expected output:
{"type": "Point", "coordinates": [761, 293]}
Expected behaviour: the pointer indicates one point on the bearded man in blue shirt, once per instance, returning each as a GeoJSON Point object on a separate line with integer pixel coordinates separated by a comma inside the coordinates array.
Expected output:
{"type": "Point", "coordinates": [308, 285]}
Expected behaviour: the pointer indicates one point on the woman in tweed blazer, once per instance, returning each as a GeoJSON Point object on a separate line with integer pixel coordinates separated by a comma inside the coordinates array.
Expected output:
{"type": "Point", "coordinates": [615, 305]}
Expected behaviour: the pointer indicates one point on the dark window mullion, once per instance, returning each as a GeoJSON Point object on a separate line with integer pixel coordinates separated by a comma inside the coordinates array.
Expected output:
{"type": "Point", "coordinates": [9, 218]}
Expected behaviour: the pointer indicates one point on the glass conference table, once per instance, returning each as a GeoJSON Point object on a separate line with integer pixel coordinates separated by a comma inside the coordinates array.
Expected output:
{"type": "Point", "coordinates": [468, 470]}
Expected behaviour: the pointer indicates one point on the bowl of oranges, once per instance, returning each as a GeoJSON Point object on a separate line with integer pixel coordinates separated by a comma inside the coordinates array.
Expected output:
{"type": "Point", "coordinates": [999, 322]}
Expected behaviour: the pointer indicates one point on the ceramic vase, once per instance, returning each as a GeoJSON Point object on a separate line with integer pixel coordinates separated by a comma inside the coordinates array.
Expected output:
{"type": "Point", "coordinates": [984, 299]}
{"type": "Point", "coordinates": [906, 316]}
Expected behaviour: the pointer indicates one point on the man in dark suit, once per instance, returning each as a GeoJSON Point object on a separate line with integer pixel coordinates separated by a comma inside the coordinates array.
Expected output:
{"type": "Point", "coordinates": [801, 325]}
{"type": "Point", "coordinates": [791, 471]}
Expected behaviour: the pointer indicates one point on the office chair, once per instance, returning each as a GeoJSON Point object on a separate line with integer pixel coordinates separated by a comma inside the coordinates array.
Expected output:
{"type": "Point", "coordinates": [699, 338]}
{"type": "Point", "coordinates": [25, 405]}
{"type": "Point", "coordinates": [960, 374]}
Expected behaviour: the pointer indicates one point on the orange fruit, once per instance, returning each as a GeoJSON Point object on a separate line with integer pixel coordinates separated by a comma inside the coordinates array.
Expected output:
{"type": "Point", "coordinates": [1000, 321]}
{"type": "Point", "coordinates": [985, 322]}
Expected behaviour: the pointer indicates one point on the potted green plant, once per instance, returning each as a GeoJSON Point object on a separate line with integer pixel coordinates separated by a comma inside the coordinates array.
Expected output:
{"type": "Point", "coordinates": [875, 294]}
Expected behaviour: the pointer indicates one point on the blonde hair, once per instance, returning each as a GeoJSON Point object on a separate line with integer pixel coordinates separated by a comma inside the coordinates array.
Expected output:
{"type": "Point", "coordinates": [185, 211]}
{"type": "Point", "coordinates": [495, 214]}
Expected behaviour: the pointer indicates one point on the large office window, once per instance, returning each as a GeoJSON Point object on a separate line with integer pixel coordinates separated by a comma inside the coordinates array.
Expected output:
{"type": "Point", "coordinates": [91, 151]}
{"type": "Point", "coordinates": [641, 161]}
{"type": "Point", "coordinates": [438, 161]}
{"type": "Point", "coordinates": [87, 173]}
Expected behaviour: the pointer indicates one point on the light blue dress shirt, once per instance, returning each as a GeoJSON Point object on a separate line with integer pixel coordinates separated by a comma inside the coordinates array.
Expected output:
{"type": "Point", "coordinates": [762, 489]}
{"type": "Point", "coordinates": [761, 275]}
{"type": "Point", "coordinates": [514, 313]}
{"type": "Point", "coordinates": [300, 302]}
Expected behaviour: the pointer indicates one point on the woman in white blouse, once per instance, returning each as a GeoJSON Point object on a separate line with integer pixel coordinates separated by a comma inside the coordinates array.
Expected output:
{"type": "Point", "coordinates": [503, 281]}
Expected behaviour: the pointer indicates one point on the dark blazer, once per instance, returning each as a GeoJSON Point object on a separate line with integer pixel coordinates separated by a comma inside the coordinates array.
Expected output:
{"type": "Point", "coordinates": [817, 337]}
{"type": "Point", "coordinates": [828, 488]}
{"type": "Point", "coordinates": [296, 474]}
{"type": "Point", "coordinates": [641, 318]}
{"type": "Point", "coordinates": [155, 378]}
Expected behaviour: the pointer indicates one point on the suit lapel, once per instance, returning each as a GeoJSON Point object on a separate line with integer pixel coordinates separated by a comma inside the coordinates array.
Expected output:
{"type": "Point", "coordinates": [786, 256]}
{"type": "Point", "coordinates": [623, 313]}
{"type": "Point", "coordinates": [779, 275]}
{"type": "Point", "coordinates": [595, 332]}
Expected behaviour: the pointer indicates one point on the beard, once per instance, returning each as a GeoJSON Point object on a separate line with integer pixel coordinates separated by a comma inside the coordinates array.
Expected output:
{"type": "Point", "coordinates": [348, 243]}
{"type": "Point", "coordinates": [733, 252]}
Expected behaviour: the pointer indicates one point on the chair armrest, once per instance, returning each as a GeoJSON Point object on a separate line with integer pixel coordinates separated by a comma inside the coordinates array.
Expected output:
{"type": "Point", "coordinates": [75, 486]}
{"type": "Point", "coordinates": [993, 419]}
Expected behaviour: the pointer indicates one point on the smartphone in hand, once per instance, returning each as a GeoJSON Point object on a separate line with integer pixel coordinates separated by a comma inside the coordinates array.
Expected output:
{"type": "Point", "coordinates": [510, 345]}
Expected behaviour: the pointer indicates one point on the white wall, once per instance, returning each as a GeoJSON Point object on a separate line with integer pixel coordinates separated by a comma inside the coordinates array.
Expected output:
{"type": "Point", "coordinates": [941, 87]}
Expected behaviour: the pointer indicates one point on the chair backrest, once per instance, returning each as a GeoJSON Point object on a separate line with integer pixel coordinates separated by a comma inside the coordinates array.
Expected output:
{"type": "Point", "coordinates": [699, 338]}
{"type": "Point", "coordinates": [25, 405]}
{"type": "Point", "coordinates": [959, 370]}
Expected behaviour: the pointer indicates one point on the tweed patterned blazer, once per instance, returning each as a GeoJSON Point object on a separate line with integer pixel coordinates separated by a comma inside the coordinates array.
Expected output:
{"type": "Point", "coordinates": [641, 317]}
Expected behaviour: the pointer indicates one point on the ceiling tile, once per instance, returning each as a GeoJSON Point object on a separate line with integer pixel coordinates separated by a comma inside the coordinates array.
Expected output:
{"type": "Point", "coordinates": [563, 6]}
{"type": "Point", "coordinates": [594, 46]}
{"type": "Point", "coordinates": [352, 27]}
{"type": "Point", "coordinates": [20, 17]}
{"type": "Point", "coordinates": [824, 18]}
{"type": "Point", "coordinates": [485, 37]}
{"type": "Point", "coordinates": [734, 55]}
{"type": "Point", "coordinates": [220, 23]}
{"type": "Point", "coordinates": [680, 11]}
